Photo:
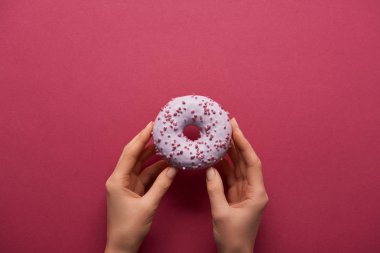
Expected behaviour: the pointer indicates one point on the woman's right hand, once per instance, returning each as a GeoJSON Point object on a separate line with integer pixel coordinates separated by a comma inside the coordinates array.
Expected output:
{"type": "Point", "coordinates": [236, 218]}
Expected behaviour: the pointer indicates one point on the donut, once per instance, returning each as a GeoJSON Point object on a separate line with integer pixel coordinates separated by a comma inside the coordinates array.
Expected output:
{"type": "Point", "coordinates": [180, 151]}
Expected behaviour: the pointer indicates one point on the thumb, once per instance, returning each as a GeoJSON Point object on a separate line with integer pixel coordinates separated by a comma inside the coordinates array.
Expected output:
{"type": "Point", "coordinates": [160, 186]}
{"type": "Point", "coordinates": [215, 190]}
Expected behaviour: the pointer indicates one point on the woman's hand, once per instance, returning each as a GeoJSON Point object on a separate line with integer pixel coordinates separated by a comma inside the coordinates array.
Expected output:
{"type": "Point", "coordinates": [130, 208]}
{"type": "Point", "coordinates": [236, 218]}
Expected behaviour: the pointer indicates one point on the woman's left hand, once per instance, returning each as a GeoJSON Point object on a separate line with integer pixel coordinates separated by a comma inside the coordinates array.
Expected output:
{"type": "Point", "coordinates": [130, 208]}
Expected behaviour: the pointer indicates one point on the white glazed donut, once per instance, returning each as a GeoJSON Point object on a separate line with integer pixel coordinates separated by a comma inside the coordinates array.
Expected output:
{"type": "Point", "coordinates": [178, 150]}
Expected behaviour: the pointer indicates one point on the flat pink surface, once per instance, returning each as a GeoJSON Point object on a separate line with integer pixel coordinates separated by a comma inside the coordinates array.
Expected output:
{"type": "Point", "coordinates": [80, 78]}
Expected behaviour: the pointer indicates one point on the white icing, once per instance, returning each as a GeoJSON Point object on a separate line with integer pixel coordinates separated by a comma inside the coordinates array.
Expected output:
{"type": "Point", "coordinates": [181, 152]}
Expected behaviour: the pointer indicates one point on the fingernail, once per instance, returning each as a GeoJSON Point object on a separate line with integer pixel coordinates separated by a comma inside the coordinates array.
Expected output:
{"type": "Point", "coordinates": [170, 172]}
{"type": "Point", "coordinates": [150, 122]}
{"type": "Point", "coordinates": [210, 174]}
{"type": "Point", "coordinates": [236, 123]}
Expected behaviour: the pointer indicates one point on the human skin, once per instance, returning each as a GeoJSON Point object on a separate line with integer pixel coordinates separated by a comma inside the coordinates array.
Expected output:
{"type": "Point", "coordinates": [130, 208]}
{"type": "Point", "coordinates": [236, 217]}
{"type": "Point", "coordinates": [133, 195]}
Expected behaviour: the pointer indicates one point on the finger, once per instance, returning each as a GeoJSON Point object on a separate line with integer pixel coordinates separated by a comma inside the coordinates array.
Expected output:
{"type": "Point", "coordinates": [233, 153]}
{"type": "Point", "coordinates": [228, 172]}
{"type": "Point", "coordinates": [138, 143]}
{"type": "Point", "coordinates": [150, 173]}
{"type": "Point", "coordinates": [236, 159]}
{"type": "Point", "coordinates": [160, 186]}
{"type": "Point", "coordinates": [146, 154]}
{"type": "Point", "coordinates": [137, 138]}
{"type": "Point", "coordinates": [254, 173]}
{"type": "Point", "coordinates": [132, 150]}
{"type": "Point", "coordinates": [242, 144]}
{"type": "Point", "coordinates": [215, 190]}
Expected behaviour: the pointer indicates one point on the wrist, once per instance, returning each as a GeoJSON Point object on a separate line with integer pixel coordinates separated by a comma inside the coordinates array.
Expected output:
{"type": "Point", "coordinates": [123, 242]}
{"type": "Point", "coordinates": [112, 248]}
{"type": "Point", "coordinates": [236, 248]}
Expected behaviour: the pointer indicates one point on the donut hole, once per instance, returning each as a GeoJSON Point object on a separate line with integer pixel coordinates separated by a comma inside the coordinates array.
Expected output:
{"type": "Point", "coordinates": [192, 132]}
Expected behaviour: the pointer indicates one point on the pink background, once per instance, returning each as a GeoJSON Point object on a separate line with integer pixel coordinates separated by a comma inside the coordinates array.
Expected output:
{"type": "Point", "coordinates": [80, 78]}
